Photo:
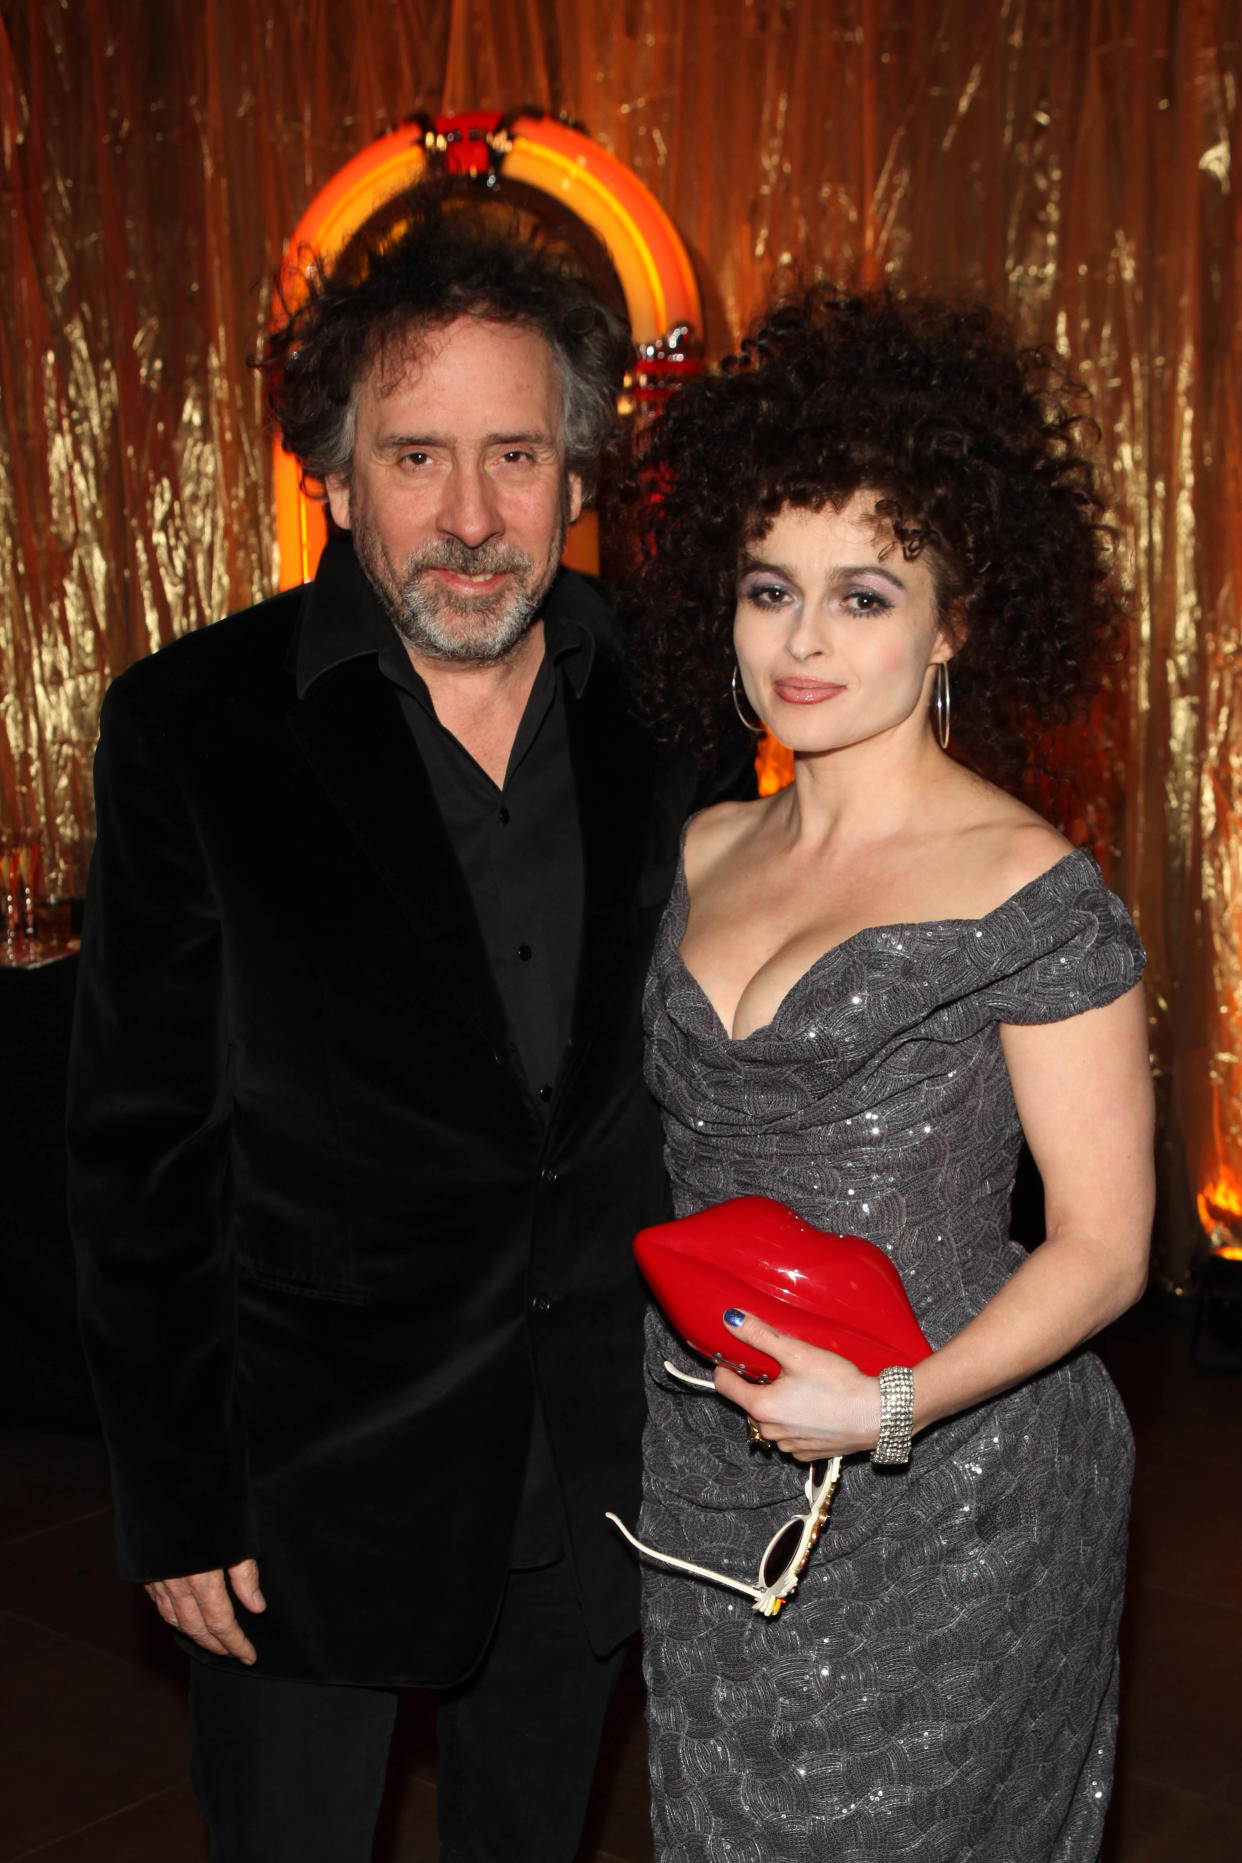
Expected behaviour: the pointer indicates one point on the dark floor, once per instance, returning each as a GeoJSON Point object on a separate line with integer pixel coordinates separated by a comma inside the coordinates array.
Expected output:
{"type": "Point", "coordinates": [92, 1723]}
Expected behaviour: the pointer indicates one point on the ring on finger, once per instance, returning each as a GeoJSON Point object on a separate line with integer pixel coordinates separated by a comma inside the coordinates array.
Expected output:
{"type": "Point", "coordinates": [753, 1432]}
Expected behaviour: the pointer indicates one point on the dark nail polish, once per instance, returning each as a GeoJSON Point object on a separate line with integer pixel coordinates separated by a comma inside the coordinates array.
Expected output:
{"type": "Point", "coordinates": [733, 1316]}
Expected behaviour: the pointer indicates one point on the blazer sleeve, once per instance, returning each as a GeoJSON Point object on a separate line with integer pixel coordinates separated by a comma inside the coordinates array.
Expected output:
{"type": "Point", "coordinates": [148, 1126]}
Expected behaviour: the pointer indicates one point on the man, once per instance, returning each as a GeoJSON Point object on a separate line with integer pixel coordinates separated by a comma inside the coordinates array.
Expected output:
{"type": "Point", "coordinates": [358, 1135]}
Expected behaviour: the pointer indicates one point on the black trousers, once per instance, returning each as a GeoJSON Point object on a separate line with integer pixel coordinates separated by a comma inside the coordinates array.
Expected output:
{"type": "Point", "coordinates": [293, 1772]}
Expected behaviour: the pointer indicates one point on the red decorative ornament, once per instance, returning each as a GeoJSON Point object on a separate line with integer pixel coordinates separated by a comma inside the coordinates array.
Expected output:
{"type": "Point", "coordinates": [834, 1291]}
{"type": "Point", "coordinates": [462, 142]}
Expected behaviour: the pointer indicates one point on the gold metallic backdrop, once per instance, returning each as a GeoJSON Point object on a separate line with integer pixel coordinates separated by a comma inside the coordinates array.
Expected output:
{"type": "Point", "coordinates": [1074, 159]}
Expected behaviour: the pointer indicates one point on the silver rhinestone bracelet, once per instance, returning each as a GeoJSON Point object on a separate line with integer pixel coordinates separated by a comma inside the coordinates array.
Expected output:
{"type": "Point", "coordinates": [896, 1416]}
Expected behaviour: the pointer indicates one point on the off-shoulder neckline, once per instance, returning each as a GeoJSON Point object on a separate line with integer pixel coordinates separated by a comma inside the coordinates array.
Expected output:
{"type": "Point", "coordinates": [681, 894]}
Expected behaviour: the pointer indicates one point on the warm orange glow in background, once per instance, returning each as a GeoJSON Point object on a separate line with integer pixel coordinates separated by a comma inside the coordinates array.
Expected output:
{"type": "Point", "coordinates": [1077, 163]}
{"type": "Point", "coordinates": [1220, 1212]}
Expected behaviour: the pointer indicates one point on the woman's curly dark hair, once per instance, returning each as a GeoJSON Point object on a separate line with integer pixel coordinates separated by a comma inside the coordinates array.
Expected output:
{"type": "Point", "coordinates": [974, 449]}
{"type": "Point", "coordinates": [429, 258]}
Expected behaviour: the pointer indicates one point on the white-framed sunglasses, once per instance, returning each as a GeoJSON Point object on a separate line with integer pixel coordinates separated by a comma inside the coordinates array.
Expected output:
{"type": "Point", "coordinates": [785, 1556]}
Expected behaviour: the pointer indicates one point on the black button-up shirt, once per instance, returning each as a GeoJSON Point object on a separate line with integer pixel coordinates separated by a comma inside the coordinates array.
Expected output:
{"type": "Point", "coordinates": [520, 851]}
{"type": "Point", "coordinates": [518, 845]}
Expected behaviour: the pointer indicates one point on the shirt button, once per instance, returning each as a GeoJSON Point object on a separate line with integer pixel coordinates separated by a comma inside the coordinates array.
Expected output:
{"type": "Point", "coordinates": [524, 953]}
{"type": "Point", "coordinates": [503, 817]}
{"type": "Point", "coordinates": [545, 1094]}
{"type": "Point", "coordinates": [550, 1177]}
{"type": "Point", "coordinates": [539, 1303]}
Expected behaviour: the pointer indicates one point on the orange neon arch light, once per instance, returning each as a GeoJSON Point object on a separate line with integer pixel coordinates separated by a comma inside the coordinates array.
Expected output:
{"type": "Point", "coordinates": [539, 152]}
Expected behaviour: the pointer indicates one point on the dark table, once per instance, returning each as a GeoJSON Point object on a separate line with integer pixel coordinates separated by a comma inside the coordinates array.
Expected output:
{"type": "Point", "coordinates": [43, 1380]}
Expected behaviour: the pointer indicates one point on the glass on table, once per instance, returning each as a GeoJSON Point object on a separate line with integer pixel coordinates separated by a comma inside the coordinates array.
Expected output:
{"type": "Point", "coordinates": [8, 903]}
{"type": "Point", "coordinates": [21, 879]}
{"type": "Point", "coordinates": [28, 858]}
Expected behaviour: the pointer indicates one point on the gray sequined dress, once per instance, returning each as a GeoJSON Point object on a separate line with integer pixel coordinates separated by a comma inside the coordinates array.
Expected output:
{"type": "Point", "coordinates": [943, 1685]}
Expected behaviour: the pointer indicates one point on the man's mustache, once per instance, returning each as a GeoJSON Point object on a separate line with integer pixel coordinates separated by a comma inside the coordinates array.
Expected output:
{"type": "Point", "coordinates": [461, 559]}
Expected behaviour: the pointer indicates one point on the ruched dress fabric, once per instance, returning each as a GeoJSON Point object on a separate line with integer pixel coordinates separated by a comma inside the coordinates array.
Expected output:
{"type": "Point", "coordinates": [943, 1684]}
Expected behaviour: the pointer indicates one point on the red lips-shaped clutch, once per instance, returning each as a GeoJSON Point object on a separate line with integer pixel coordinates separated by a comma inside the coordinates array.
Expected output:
{"type": "Point", "coordinates": [834, 1291]}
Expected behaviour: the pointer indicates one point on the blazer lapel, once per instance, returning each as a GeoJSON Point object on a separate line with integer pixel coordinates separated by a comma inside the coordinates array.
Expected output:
{"type": "Point", "coordinates": [349, 727]}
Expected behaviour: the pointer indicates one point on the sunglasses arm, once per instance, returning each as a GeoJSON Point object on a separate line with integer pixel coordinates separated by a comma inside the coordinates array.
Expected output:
{"type": "Point", "coordinates": [684, 1377]}
{"type": "Point", "coordinates": [684, 1565]}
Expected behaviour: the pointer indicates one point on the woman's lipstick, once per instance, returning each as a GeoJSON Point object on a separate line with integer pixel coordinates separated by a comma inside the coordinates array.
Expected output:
{"type": "Point", "coordinates": [805, 691]}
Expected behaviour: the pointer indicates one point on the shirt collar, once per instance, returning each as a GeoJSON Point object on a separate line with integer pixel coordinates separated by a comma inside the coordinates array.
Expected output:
{"type": "Point", "coordinates": [344, 619]}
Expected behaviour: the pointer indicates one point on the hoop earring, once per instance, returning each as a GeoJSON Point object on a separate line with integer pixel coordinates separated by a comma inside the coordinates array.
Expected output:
{"type": "Point", "coordinates": [759, 728]}
{"type": "Point", "coordinates": [942, 705]}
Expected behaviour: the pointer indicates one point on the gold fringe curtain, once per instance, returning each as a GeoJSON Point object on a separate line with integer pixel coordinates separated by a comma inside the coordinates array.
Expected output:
{"type": "Point", "coordinates": [1074, 159]}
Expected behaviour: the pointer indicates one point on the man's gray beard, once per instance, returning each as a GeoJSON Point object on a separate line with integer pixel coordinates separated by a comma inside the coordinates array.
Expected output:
{"type": "Point", "coordinates": [437, 622]}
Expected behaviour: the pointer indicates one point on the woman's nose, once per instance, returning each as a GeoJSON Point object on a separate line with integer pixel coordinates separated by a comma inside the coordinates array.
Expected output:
{"type": "Point", "coordinates": [808, 634]}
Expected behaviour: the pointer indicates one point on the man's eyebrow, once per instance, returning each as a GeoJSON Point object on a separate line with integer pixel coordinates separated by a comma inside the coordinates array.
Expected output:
{"type": "Point", "coordinates": [395, 442]}
{"type": "Point", "coordinates": [844, 574]}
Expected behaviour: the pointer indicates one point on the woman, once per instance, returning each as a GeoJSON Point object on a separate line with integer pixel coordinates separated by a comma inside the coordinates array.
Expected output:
{"type": "Point", "coordinates": [875, 528]}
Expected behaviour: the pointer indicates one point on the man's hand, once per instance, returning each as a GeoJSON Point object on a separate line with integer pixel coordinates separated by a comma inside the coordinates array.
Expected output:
{"type": "Point", "coordinates": [199, 1606]}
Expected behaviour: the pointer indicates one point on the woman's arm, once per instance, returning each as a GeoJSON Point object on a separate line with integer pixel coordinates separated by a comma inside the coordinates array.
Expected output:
{"type": "Point", "coordinates": [1084, 1096]}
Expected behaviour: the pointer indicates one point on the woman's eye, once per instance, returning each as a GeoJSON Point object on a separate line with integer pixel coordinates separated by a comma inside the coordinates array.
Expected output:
{"type": "Point", "coordinates": [866, 602]}
{"type": "Point", "coordinates": [765, 594]}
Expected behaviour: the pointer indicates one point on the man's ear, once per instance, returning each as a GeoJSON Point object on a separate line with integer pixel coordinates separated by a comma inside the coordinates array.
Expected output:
{"type": "Point", "coordinates": [337, 487]}
{"type": "Point", "coordinates": [575, 497]}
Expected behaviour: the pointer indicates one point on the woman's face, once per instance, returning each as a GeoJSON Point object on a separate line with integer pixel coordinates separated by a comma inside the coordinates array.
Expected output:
{"type": "Point", "coordinates": [835, 632]}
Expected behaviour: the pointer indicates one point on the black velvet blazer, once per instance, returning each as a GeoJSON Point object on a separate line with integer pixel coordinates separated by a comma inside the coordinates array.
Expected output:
{"type": "Point", "coordinates": [327, 1246]}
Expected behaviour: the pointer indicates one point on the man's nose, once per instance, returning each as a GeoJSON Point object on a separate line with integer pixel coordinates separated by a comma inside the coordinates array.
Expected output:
{"type": "Point", "coordinates": [468, 507]}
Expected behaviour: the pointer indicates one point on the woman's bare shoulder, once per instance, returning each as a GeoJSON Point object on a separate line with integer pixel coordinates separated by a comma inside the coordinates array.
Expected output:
{"type": "Point", "coordinates": [1031, 849]}
{"type": "Point", "coordinates": [1012, 851]}
{"type": "Point", "coordinates": [1003, 846]}
{"type": "Point", "coordinates": [714, 834]}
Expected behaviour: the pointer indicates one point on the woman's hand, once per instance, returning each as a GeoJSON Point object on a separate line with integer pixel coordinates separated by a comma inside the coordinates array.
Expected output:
{"type": "Point", "coordinates": [821, 1405]}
